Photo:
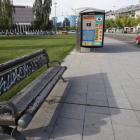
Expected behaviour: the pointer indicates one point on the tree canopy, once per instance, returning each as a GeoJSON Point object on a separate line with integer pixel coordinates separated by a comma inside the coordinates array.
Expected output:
{"type": "Point", "coordinates": [6, 11]}
{"type": "Point", "coordinates": [121, 22]}
{"type": "Point", "coordinates": [41, 10]}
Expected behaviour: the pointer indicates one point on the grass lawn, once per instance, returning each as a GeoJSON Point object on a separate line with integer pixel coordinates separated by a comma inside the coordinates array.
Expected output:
{"type": "Point", "coordinates": [57, 46]}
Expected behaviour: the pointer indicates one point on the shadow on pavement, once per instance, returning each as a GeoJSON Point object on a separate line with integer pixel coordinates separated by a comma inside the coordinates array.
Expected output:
{"type": "Point", "coordinates": [76, 109]}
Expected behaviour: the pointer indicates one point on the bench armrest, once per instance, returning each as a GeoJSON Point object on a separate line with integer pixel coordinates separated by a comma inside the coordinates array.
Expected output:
{"type": "Point", "coordinates": [10, 106]}
{"type": "Point", "coordinates": [56, 62]}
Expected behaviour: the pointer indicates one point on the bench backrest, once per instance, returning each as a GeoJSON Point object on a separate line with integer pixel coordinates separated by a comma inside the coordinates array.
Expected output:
{"type": "Point", "coordinates": [14, 71]}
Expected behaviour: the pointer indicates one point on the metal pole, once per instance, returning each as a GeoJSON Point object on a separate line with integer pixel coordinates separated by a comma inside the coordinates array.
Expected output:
{"type": "Point", "coordinates": [65, 24]}
{"type": "Point", "coordinates": [55, 18]}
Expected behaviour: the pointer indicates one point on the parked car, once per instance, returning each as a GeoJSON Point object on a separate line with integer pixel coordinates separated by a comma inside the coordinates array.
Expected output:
{"type": "Point", "coordinates": [72, 32]}
{"type": "Point", "coordinates": [30, 33]}
{"type": "Point", "coordinates": [45, 33]}
{"type": "Point", "coordinates": [125, 32]}
{"type": "Point", "coordinates": [18, 33]}
{"type": "Point", "coordinates": [23, 33]}
{"type": "Point", "coordinates": [2, 33]}
{"type": "Point", "coordinates": [51, 33]}
{"type": "Point", "coordinates": [42, 33]}
{"type": "Point", "coordinates": [138, 39]}
{"type": "Point", "coordinates": [14, 33]}
{"type": "Point", "coordinates": [9, 33]}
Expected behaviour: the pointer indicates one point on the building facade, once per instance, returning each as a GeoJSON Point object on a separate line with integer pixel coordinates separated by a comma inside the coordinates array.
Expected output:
{"type": "Point", "coordinates": [64, 21]}
{"type": "Point", "coordinates": [23, 17]}
{"type": "Point", "coordinates": [110, 15]}
{"type": "Point", "coordinates": [132, 11]}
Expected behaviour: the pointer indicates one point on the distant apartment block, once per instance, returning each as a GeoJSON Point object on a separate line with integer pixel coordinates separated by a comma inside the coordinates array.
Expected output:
{"type": "Point", "coordinates": [132, 11]}
{"type": "Point", "coordinates": [23, 17]}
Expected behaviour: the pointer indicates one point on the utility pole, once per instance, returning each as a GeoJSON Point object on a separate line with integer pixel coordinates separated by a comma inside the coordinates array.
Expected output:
{"type": "Point", "coordinates": [55, 18]}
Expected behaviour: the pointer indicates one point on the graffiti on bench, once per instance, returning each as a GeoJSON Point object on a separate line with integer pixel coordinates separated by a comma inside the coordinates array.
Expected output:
{"type": "Point", "coordinates": [15, 75]}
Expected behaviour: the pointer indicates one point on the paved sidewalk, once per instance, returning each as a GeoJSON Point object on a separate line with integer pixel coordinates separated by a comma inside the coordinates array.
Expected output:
{"type": "Point", "coordinates": [100, 101]}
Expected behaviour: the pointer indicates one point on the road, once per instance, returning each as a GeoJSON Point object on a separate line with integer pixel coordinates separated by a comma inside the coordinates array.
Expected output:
{"type": "Point", "coordinates": [127, 38]}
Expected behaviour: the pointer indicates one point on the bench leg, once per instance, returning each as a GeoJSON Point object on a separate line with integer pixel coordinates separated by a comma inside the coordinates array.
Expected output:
{"type": "Point", "coordinates": [14, 133]}
{"type": "Point", "coordinates": [63, 79]}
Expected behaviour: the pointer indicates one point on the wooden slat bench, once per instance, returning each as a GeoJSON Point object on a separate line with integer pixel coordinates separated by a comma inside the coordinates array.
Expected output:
{"type": "Point", "coordinates": [20, 110]}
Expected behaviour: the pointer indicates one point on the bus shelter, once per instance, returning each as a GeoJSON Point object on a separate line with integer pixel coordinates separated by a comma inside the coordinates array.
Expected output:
{"type": "Point", "coordinates": [90, 28]}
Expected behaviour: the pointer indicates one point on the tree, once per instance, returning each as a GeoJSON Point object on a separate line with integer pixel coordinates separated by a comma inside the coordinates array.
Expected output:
{"type": "Point", "coordinates": [41, 10]}
{"type": "Point", "coordinates": [124, 21]}
{"type": "Point", "coordinates": [73, 27]}
{"type": "Point", "coordinates": [6, 11]}
{"type": "Point", "coordinates": [112, 23]}
{"type": "Point", "coordinates": [107, 23]}
{"type": "Point", "coordinates": [118, 22]}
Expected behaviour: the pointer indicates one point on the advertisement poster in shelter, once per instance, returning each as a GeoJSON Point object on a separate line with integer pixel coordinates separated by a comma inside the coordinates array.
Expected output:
{"type": "Point", "coordinates": [92, 30]}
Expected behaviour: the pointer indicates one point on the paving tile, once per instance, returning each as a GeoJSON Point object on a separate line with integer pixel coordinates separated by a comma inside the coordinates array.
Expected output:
{"type": "Point", "coordinates": [52, 105]}
{"type": "Point", "coordinates": [94, 72]}
{"type": "Point", "coordinates": [67, 129]}
{"type": "Point", "coordinates": [112, 84]}
{"type": "Point", "coordinates": [115, 92]}
{"type": "Point", "coordinates": [134, 75]}
{"type": "Point", "coordinates": [137, 81]}
{"type": "Point", "coordinates": [99, 110]}
{"type": "Point", "coordinates": [134, 100]}
{"type": "Point", "coordinates": [73, 111]}
{"type": "Point", "coordinates": [100, 123]}
{"type": "Point", "coordinates": [96, 136]}
{"type": "Point", "coordinates": [80, 81]}
{"type": "Point", "coordinates": [137, 113]}
{"type": "Point", "coordinates": [44, 133]}
{"type": "Point", "coordinates": [119, 102]}
{"type": "Point", "coordinates": [109, 75]}
{"type": "Point", "coordinates": [96, 87]}
{"type": "Point", "coordinates": [131, 90]}
{"type": "Point", "coordinates": [124, 117]}
{"type": "Point", "coordinates": [96, 81]}
{"type": "Point", "coordinates": [69, 73]}
{"type": "Point", "coordinates": [60, 99]}
{"type": "Point", "coordinates": [73, 66]}
{"type": "Point", "coordinates": [97, 75]}
{"type": "Point", "coordinates": [110, 79]}
{"type": "Point", "coordinates": [96, 95]}
{"type": "Point", "coordinates": [83, 66]}
{"type": "Point", "coordinates": [76, 98]}
{"type": "Point", "coordinates": [98, 102]}
{"type": "Point", "coordinates": [55, 99]}
{"type": "Point", "coordinates": [78, 89]}
{"type": "Point", "coordinates": [59, 91]}
{"type": "Point", "coordinates": [122, 77]}
{"type": "Point", "coordinates": [126, 132]}
{"type": "Point", "coordinates": [47, 119]}
{"type": "Point", "coordinates": [128, 83]}
{"type": "Point", "coordinates": [35, 132]}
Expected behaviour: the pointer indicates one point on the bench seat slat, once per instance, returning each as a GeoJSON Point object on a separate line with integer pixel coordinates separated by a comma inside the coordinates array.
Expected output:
{"type": "Point", "coordinates": [24, 121]}
{"type": "Point", "coordinates": [23, 100]}
{"type": "Point", "coordinates": [40, 99]}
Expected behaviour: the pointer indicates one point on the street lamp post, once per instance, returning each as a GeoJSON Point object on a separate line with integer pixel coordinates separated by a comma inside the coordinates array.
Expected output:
{"type": "Point", "coordinates": [55, 18]}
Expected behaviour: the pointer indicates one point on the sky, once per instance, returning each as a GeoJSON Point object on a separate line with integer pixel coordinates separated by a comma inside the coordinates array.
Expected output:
{"type": "Point", "coordinates": [64, 6]}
